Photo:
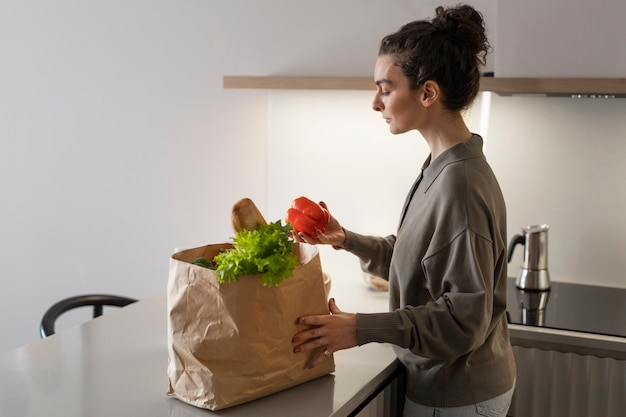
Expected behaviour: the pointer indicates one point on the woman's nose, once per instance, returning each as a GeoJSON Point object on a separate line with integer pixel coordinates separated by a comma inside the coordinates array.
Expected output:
{"type": "Point", "coordinates": [377, 105]}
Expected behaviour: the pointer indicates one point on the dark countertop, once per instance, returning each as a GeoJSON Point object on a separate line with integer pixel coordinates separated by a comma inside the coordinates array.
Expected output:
{"type": "Point", "coordinates": [567, 306]}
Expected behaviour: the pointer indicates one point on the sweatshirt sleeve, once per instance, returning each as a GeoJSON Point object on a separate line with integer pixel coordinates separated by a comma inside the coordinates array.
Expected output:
{"type": "Point", "coordinates": [374, 252]}
{"type": "Point", "coordinates": [456, 320]}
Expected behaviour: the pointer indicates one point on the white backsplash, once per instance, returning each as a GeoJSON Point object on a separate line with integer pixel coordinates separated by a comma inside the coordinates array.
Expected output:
{"type": "Point", "coordinates": [559, 161]}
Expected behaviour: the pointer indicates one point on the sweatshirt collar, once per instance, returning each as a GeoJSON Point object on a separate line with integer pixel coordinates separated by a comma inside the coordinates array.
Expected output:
{"type": "Point", "coordinates": [473, 148]}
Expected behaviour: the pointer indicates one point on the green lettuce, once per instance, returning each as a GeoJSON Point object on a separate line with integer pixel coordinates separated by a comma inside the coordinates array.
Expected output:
{"type": "Point", "coordinates": [266, 251]}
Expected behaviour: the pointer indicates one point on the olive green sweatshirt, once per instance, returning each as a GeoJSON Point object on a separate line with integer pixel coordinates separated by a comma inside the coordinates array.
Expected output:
{"type": "Point", "coordinates": [447, 272]}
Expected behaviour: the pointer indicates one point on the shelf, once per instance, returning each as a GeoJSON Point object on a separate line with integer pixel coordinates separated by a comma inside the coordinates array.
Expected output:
{"type": "Point", "coordinates": [555, 86]}
{"type": "Point", "coordinates": [301, 83]}
{"type": "Point", "coordinates": [505, 86]}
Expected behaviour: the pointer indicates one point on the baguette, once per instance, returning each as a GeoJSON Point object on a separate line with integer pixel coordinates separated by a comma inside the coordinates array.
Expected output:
{"type": "Point", "coordinates": [246, 216]}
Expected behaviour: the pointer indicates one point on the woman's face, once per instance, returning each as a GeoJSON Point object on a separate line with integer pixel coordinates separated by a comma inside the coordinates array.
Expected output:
{"type": "Point", "coordinates": [398, 104]}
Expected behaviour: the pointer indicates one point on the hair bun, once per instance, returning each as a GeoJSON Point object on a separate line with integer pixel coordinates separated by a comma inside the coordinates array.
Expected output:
{"type": "Point", "coordinates": [445, 20]}
{"type": "Point", "coordinates": [462, 24]}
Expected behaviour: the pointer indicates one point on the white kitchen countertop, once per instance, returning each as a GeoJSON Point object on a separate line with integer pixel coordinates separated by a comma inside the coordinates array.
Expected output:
{"type": "Point", "coordinates": [115, 365]}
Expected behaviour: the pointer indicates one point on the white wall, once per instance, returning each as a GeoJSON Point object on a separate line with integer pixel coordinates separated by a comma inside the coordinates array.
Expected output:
{"type": "Point", "coordinates": [560, 161]}
{"type": "Point", "coordinates": [120, 144]}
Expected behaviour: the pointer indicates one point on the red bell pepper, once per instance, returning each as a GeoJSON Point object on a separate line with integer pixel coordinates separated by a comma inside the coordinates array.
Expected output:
{"type": "Point", "coordinates": [307, 217]}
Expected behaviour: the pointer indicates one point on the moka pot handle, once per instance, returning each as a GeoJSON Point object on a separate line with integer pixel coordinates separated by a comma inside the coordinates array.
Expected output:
{"type": "Point", "coordinates": [517, 239]}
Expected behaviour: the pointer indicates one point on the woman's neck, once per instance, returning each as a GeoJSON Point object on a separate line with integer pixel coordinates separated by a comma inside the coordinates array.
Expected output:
{"type": "Point", "coordinates": [444, 133]}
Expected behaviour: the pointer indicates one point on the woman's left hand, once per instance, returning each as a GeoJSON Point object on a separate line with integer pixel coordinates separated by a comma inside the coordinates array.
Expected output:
{"type": "Point", "coordinates": [334, 332]}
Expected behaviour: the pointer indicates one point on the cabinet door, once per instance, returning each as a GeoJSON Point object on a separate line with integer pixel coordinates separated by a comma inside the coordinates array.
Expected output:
{"type": "Point", "coordinates": [561, 38]}
{"type": "Point", "coordinates": [556, 384]}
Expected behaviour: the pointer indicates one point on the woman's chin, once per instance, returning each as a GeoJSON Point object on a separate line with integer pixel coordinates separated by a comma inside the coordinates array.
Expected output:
{"type": "Point", "coordinates": [394, 130]}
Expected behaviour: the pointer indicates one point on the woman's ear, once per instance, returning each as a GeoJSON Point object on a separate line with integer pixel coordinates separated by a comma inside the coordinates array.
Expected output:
{"type": "Point", "coordinates": [430, 93]}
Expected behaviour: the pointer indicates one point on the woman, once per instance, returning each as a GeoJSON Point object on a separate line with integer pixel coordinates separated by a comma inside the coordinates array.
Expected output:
{"type": "Point", "coordinates": [447, 263]}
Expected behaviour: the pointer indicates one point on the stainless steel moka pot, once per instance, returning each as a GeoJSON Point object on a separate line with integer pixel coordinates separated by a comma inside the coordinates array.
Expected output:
{"type": "Point", "coordinates": [533, 274]}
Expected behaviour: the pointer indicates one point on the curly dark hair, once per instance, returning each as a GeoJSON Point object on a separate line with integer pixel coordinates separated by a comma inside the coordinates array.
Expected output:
{"type": "Point", "coordinates": [450, 49]}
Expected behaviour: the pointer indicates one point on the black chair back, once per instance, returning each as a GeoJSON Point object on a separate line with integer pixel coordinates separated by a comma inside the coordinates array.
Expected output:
{"type": "Point", "coordinates": [98, 301]}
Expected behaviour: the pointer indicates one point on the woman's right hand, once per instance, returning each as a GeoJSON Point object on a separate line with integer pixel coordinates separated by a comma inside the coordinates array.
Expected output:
{"type": "Point", "coordinates": [333, 233]}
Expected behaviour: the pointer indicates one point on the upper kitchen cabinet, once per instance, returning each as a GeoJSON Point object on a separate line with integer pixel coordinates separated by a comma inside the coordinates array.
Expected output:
{"type": "Point", "coordinates": [561, 38]}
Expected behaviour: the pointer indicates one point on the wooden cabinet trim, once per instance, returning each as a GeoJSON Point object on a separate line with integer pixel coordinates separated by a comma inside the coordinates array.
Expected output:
{"type": "Point", "coordinates": [558, 86]}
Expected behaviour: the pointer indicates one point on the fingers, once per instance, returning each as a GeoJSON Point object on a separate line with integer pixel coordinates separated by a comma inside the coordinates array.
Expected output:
{"type": "Point", "coordinates": [315, 336]}
{"type": "Point", "coordinates": [319, 320]}
{"type": "Point", "coordinates": [322, 237]}
{"type": "Point", "coordinates": [326, 334]}
{"type": "Point", "coordinates": [318, 359]}
{"type": "Point", "coordinates": [332, 306]}
{"type": "Point", "coordinates": [311, 338]}
{"type": "Point", "coordinates": [301, 237]}
{"type": "Point", "coordinates": [311, 345]}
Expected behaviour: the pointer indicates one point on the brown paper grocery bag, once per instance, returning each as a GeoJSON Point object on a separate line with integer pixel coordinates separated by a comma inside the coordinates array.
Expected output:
{"type": "Point", "coordinates": [230, 343]}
